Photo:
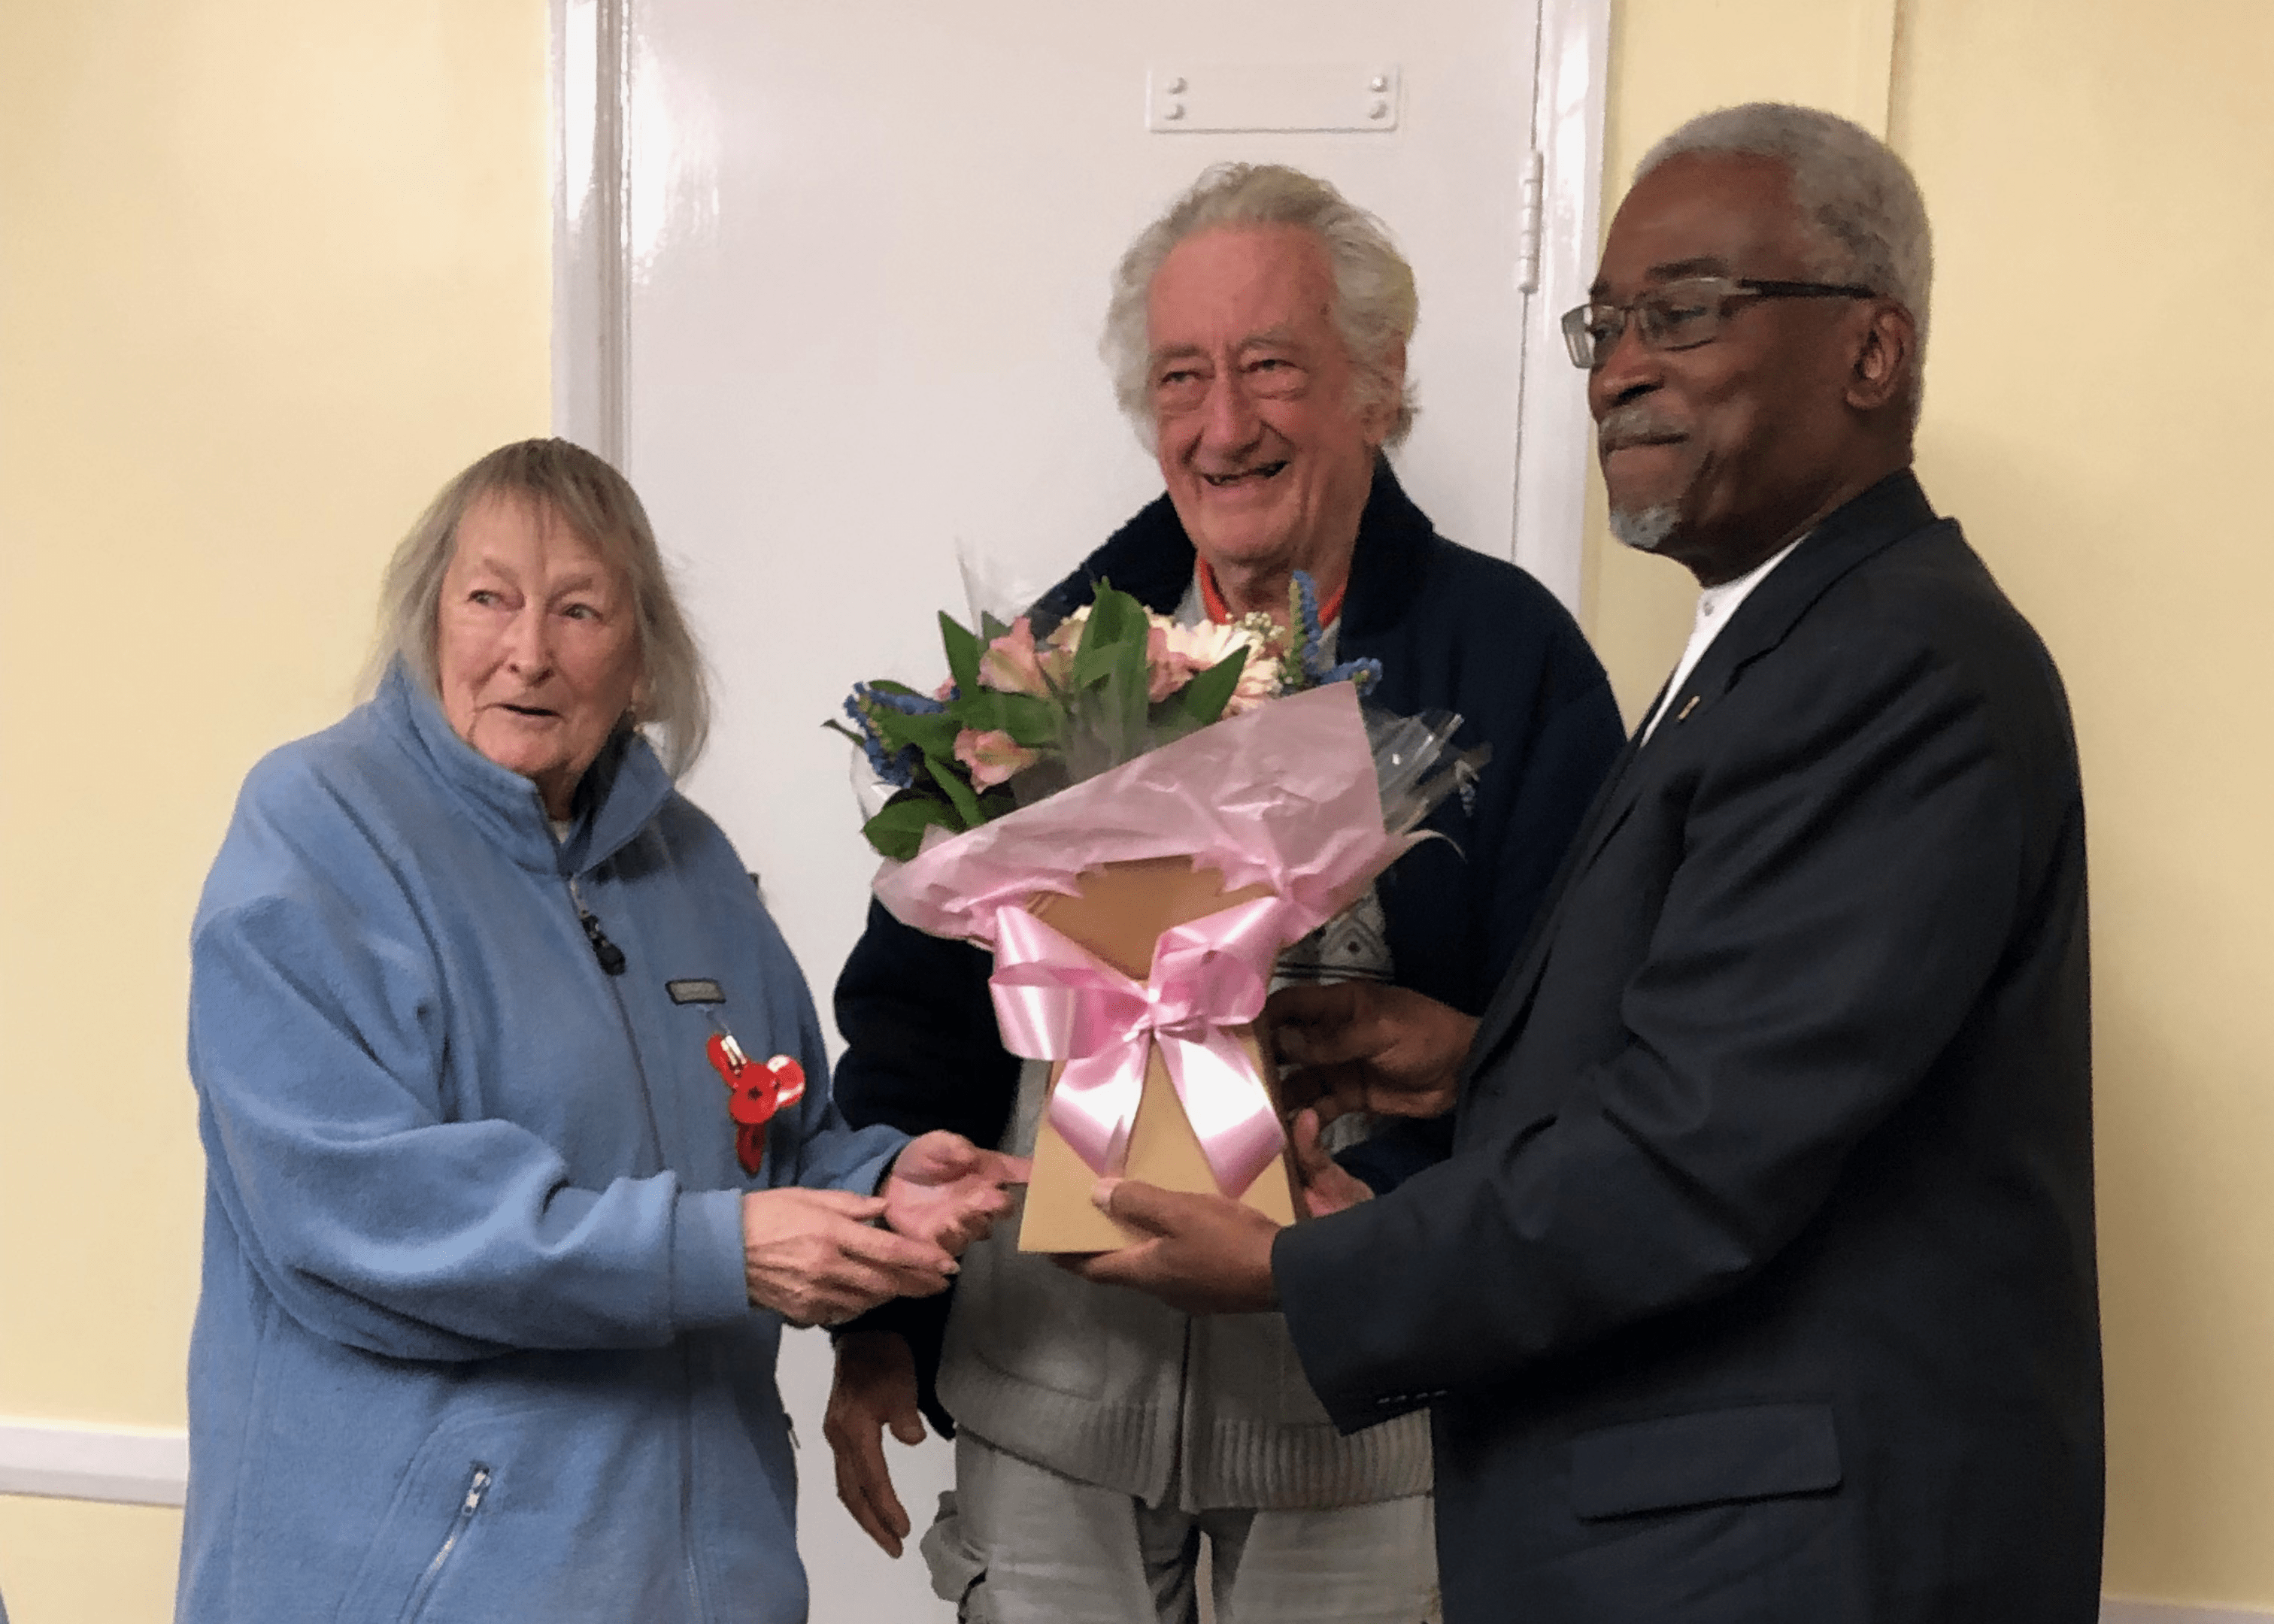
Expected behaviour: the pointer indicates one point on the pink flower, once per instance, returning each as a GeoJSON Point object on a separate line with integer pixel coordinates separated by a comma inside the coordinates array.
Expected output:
{"type": "Point", "coordinates": [1067, 632]}
{"type": "Point", "coordinates": [1206, 644]}
{"type": "Point", "coordinates": [1258, 682]}
{"type": "Point", "coordinates": [1010, 665]}
{"type": "Point", "coordinates": [992, 756]}
{"type": "Point", "coordinates": [1165, 669]}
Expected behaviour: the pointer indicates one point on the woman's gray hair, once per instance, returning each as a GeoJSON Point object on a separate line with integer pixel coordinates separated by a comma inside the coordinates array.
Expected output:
{"type": "Point", "coordinates": [1857, 198]}
{"type": "Point", "coordinates": [1375, 307]}
{"type": "Point", "coordinates": [569, 484]}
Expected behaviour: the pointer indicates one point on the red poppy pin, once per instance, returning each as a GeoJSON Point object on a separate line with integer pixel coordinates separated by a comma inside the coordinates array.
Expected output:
{"type": "Point", "coordinates": [755, 1092]}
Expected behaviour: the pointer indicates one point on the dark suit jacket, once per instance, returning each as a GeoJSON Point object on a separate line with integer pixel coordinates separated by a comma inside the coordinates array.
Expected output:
{"type": "Point", "coordinates": [1759, 1286]}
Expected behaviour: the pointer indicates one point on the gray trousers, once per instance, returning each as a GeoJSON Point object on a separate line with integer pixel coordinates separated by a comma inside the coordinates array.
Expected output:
{"type": "Point", "coordinates": [1019, 1544]}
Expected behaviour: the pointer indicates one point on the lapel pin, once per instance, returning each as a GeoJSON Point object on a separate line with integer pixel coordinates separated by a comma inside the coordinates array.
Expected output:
{"type": "Point", "coordinates": [1690, 705]}
{"type": "Point", "coordinates": [755, 1091]}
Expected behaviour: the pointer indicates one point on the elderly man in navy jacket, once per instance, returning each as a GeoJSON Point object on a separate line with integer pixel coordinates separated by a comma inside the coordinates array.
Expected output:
{"type": "Point", "coordinates": [1258, 335]}
{"type": "Point", "coordinates": [1759, 1284]}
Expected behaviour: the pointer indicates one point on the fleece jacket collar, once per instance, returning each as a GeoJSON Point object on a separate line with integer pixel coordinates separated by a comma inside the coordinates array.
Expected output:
{"type": "Point", "coordinates": [619, 792]}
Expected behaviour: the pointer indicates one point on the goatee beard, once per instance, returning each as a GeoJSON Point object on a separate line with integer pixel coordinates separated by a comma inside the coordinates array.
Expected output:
{"type": "Point", "coordinates": [1645, 532]}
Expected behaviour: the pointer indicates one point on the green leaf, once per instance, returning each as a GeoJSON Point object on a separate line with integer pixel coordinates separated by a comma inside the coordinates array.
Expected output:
{"type": "Point", "coordinates": [1129, 705]}
{"type": "Point", "coordinates": [963, 652]}
{"type": "Point", "coordinates": [944, 774]}
{"type": "Point", "coordinates": [990, 628]}
{"type": "Point", "coordinates": [898, 831]}
{"type": "Point", "coordinates": [933, 732]}
{"type": "Point", "coordinates": [1117, 623]}
{"type": "Point", "coordinates": [1031, 722]}
{"type": "Point", "coordinates": [1206, 696]}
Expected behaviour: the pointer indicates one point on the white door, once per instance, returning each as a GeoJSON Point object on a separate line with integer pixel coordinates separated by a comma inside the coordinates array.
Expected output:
{"type": "Point", "coordinates": [830, 280]}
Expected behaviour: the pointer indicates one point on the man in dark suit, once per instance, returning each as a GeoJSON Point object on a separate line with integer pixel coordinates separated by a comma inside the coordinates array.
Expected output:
{"type": "Point", "coordinates": [1759, 1284]}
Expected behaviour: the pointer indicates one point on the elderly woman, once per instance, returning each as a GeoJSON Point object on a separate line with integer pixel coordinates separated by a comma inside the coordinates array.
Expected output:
{"type": "Point", "coordinates": [510, 1182]}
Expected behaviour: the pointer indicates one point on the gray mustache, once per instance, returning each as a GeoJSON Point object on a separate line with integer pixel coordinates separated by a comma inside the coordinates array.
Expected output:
{"type": "Point", "coordinates": [1624, 423]}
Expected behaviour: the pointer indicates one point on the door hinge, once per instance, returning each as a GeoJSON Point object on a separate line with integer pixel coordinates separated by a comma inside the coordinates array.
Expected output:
{"type": "Point", "coordinates": [1529, 213]}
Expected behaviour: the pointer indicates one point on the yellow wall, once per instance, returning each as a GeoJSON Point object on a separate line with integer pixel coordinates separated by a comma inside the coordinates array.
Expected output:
{"type": "Point", "coordinates": [271, 271]}
{"type": "Point", "coordinates": [2099, 181]}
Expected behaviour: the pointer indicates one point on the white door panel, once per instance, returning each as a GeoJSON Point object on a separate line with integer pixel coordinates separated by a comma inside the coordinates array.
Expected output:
{"type": "Point", "coordinates": [834, 302]}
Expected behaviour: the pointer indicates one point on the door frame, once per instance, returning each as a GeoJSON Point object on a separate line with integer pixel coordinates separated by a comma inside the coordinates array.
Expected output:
{"type": "Point", "coordinates": [593, 247]}
{"type": "Point", "coordinates": [1555, 444]}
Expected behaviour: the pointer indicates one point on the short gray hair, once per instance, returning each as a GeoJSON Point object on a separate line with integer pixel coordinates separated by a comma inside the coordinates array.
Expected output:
{"type": "Point", "coordinates": [597, 503]}
{"type": "Point", "coordinates": [1856, 197]}
{"type": "Point", "coordinates": [1374, 308]}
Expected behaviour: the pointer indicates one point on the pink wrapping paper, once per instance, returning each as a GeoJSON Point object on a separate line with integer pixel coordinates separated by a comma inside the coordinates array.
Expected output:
{"type": "Point", "coordinates": [1284, 796]}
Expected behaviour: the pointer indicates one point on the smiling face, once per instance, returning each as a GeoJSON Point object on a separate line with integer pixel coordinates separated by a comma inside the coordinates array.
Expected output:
{"type": "Point", "coordinates": [1267, 459]}
{"type": "Point", "coordinates": [537, 649]}
{"type": "Point", "coordinates": [1718, 455]}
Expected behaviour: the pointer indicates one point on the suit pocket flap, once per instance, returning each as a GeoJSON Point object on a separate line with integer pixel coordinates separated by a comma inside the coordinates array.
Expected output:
{"type": "Point", "coordinates": [1752, 1452]}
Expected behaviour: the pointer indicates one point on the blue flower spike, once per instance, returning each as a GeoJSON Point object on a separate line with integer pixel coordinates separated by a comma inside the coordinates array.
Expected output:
{"type": "Point", "coordinates": [897, 769]}
{"type": "Point", "coordinates": [1311, 640]}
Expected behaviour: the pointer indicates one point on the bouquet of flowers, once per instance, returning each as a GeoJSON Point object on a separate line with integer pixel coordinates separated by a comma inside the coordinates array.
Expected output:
{"type": "Point", "coordinates": [1136, 817]}
{"type": "Point", "coordinates": [1020, 719]}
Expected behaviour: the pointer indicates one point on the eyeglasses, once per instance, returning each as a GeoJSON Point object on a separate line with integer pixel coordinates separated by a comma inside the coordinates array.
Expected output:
{"type": "Point", "coordinates": [1681, 315]}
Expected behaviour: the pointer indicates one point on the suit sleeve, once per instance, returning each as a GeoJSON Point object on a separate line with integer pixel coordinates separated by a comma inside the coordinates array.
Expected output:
{"type": "Point", "coordinates": [1848, 872]}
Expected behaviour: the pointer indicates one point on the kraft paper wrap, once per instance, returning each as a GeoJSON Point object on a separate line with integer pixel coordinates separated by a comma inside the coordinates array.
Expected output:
{"type": "Point", "coordinates": [1117, 914]}
{"type": "Point", "coordinates": [1280, 803]}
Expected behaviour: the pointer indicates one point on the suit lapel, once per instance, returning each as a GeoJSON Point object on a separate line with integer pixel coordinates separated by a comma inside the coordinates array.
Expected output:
{"type": "Point", "coordinates": [1890, 510]}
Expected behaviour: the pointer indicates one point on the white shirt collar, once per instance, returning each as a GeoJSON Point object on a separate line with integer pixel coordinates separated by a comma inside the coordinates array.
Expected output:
{"type": "Point", "coordinates": [1717, 605]}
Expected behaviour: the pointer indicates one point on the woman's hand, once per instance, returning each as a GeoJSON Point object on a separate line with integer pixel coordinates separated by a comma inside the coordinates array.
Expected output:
{"type": "Point", "coordinates": [945, 1190]}
{"type": "Point", "coordinates": [1359, 1046]}
{"type": "Point", "coordinates": [816, 1258]}
{"type": "Point", "coordinates": [875, 1387]}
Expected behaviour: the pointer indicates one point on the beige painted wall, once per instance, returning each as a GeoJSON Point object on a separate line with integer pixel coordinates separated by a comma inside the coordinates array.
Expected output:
{"type": "Point", "coordinates": [271, 272]}
{"type": "Point", "coordinates": [2102, 195]}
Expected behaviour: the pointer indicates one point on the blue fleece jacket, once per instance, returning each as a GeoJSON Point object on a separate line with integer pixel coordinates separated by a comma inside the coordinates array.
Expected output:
{"type": "Point", "coordinates": [474, 1343]}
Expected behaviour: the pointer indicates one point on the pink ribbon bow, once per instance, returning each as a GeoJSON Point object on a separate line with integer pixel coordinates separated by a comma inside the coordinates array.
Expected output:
{"type": "Point", "coordinates": [1055, 1000]}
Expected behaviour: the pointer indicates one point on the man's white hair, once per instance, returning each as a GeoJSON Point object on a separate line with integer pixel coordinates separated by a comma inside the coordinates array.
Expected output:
{"type": "Point", "coordinates": [1374, 308]}
{"type": "Point", "coordinates": [1856, 197]}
